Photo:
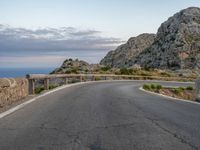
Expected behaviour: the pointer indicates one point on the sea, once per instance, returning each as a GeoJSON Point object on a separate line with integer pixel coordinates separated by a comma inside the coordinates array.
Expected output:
{"type": "Point", "coordinates": [22, 72]}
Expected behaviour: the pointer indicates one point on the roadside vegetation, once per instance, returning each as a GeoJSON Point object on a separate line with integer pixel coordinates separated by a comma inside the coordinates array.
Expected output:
{"type": "Point", "coordinates": [149, 73]}
{"type": "Point", "coordinates": [187, 93]}
{"type": "Point", "coordinates": [40, 89]}
{"type": "Point", "coordinates": [76, 66]}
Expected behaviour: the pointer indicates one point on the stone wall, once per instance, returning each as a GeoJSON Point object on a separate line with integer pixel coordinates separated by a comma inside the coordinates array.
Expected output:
{"type": "Point", "coordinates": [12, 90]}
{"type": "Point", "coordinates": [197, 88]}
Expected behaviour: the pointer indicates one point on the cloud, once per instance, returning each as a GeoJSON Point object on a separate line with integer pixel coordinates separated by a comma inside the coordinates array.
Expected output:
{"type": "Point", "coordinates": [62, 42]}
{"type": "Point", "coordinates": [51, 38]}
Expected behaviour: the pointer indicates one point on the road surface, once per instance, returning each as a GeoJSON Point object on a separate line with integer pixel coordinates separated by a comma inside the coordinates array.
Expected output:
{"type": "Point", "coordinates": [103, 116]}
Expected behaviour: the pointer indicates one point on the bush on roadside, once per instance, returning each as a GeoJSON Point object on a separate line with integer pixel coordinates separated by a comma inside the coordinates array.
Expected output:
{"type": "Point", "coordinates": [52, 87]}
{"type": "Point", "coordinates": [38, 90]}
{"type": "Point", "coordinates": [159, 87]}
{"type": "Point", "coordinates": [153, 86]}
{"type": "Point", "coordinates": [182, 88]}
{"type": "Point", "coordinates": [147, 86]}
{"type": "Point", "coordinates": [106, 68]}
{"type": "Point", "coordinates": [178, 90]}
{"type": "Point", "coordinates": [190, 88]}
{"type": "Point", "coordinates": [124, 71]}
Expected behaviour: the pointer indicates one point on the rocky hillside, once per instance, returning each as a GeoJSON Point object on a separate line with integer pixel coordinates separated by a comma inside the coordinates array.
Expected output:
{"type": "Point", "coordinates": [71, 66]}
{"type": "Point", "coordinates": [177, 43]}
{"type": "Point", "coordinates": [125, 54]}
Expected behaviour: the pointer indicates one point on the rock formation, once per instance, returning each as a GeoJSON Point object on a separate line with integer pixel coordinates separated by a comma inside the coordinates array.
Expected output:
{"type": "Point", "coordinates": [175, 47]}
{"type": "Point", "coordinates": [124, 55]}
{"type": "Point", "coordinates": [71, 66]}
{"type": "Point", "coordinates": [177, 43]}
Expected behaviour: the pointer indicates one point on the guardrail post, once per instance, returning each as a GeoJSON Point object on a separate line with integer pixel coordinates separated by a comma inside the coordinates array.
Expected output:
{"type": "Point", "coordinates": [31, 86]}
{"type": "Point", "coordinates": [46, 83]}
{"type": "Point", "coordinates": [93, 78]}
{"type": "Point", "coordinates": [81, 78]}
{"type": "Point", "coordinates": [105, 78]}
{"type": "Point", "coordinates": [65, 80]}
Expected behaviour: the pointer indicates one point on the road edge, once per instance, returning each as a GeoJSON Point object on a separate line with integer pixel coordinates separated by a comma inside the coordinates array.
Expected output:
{"type": "Point", "coordinates": [22, 105]}
{"type": "Point", "coordinates": [168, 97]}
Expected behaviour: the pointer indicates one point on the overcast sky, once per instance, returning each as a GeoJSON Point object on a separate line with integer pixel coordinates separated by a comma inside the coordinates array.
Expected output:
{"type": "Point", "coordinates": [42, 33]}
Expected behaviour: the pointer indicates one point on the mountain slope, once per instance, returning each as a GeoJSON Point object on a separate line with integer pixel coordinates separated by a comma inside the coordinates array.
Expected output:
{"type": "Point", "coordinates": [177, 43]}
{"type": "Point", "coordinates": [125, 54]}
{"type": "Point", "coordinates": [76, 66]}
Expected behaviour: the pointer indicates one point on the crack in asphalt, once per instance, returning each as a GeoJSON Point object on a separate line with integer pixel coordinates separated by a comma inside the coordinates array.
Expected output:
{"type": "Point", "coordinates": [175, 135]}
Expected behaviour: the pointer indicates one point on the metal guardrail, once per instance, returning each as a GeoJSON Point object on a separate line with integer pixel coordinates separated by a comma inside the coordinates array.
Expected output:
{"type": "Point", "coordinates": [33, 77]}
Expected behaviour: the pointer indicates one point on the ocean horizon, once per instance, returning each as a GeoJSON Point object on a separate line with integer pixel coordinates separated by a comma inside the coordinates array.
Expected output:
{"type": "Point", "coordinates": [22, 72]}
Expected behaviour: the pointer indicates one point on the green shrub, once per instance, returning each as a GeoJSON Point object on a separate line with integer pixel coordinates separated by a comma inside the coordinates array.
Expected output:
{"type": "Point", "coordinates": [153, 86]}
{"type": "Point", "coordinates": [190, 88]}
{"type": "Point", "coordinates": [124, 71]}
{"type": "Point", "coordinates": [182, 88]}
{"type": "Point", "coordinates": [38, 90]}
{"type": "Point", "coordinates": [107, 68]}
{"type": "Point", "coordinates": [159, 87]}
{"type": "Point", "coordinates": [147, 86]}
{"type": "Point", "coordinates": [74, 70]}
{"type": "Point", "coordinates": [53, 87]}
{"type": "Point", "coordinates": [177, 90]}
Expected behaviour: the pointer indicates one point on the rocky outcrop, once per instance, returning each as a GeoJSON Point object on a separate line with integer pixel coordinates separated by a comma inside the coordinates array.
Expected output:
{"type": "Point", "coordinates": [71, 66]}
{"type": "Point", "coordinates": [124, 55]}
{"type": "Point", "coordinates": [12, 90]}
{"type": "Point", "coordinates": [177, 43]}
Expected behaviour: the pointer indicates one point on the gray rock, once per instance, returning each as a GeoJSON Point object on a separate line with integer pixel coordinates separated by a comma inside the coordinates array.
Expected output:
{"type": "Point", "coordinates": [124, 55]}
{"type": "Point", "coordinates": [177, 43]}
{"type": "Point", "coordinates": [71, 66]}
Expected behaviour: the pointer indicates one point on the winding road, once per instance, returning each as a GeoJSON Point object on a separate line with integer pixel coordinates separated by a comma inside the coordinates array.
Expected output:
{"type": "Point", "coordinates": [103, 116]}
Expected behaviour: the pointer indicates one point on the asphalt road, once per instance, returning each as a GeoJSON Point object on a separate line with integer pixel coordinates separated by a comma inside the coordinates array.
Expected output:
{"type": "Point", "coordinates": [103, 116]}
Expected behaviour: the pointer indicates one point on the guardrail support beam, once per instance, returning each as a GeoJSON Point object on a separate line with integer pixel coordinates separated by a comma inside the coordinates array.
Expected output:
{"type": "Point", "coordinates": [46, 84]}
{"type": "Point", "coordinates": [81, 79]}
{"type": "Point", "coordinates": [65, 80]}
{"type": "Point", "coordinates": [31, 86]}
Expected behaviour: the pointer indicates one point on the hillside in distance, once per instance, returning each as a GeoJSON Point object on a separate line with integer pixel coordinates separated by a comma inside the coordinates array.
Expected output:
{"type": "Point", "coordinates": [126, 53]}
{"type": "Point", "coordinates": [175, 46]}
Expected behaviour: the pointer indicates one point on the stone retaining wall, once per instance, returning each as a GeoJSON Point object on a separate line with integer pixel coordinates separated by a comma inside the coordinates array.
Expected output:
{"type": "Point", "coordinates": [197, 88]}
{"type": "Point", "coordinates": [12, 90]}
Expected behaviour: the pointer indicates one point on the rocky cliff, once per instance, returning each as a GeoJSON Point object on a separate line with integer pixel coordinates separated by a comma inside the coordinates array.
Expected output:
{"type": "Point", "coordinates": [124, 55]}
{"type": "Point", "coordinates": [177, 43]}
{"type": "Point", "coordinates": [76, 66]}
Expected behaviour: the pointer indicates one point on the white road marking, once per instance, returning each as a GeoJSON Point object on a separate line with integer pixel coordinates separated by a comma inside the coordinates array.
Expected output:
{"type": "Point", "coordinates": [169, 97]}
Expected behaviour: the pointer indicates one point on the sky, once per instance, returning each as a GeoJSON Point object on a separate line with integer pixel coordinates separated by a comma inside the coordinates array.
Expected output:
{"type": "Point", "coordinates": [43, 33]}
